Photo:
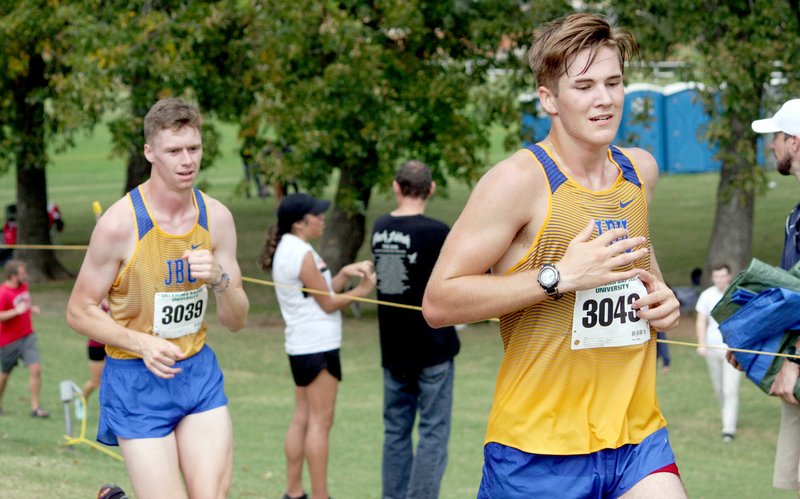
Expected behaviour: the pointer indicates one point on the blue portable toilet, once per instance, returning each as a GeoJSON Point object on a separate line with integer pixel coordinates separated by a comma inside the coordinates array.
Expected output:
{"type": "Point", "coordinates": [686, 124]}
{"type": "Point", "coordinates": [642, 122]}
{"type": "Point", "coordinates": [535, 122]}
{"type": "Point", "coordinates": [669, 122]}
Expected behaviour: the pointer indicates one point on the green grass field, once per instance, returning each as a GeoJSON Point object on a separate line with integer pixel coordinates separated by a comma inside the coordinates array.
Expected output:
{"type": "Point", "coordinates": [36, 463]}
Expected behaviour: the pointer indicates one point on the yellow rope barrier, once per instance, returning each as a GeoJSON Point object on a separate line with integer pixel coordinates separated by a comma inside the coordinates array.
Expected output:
{"type": "Point", "coordinates": [727, 348]}
{"type": "Point", "coordinates": [320, 292]}
{"type": "Point", "coordinates": [391, 304]}
{"type": "Point", "coordinates": [45, 246]}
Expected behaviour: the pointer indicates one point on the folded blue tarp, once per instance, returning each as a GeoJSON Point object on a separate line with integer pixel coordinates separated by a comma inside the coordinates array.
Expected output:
{"type": "Point", "coordinates": [757, 277]}
{"type": "Point", "coordinates": [768, 322]}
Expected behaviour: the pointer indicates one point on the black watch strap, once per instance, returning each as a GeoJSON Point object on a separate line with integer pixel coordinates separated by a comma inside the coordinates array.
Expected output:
{"type": "Point", "coordinates": [550, 288]}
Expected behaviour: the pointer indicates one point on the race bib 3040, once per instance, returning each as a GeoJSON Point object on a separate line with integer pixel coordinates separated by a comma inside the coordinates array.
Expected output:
{"type": "Point", "coordinates": [604, 317]}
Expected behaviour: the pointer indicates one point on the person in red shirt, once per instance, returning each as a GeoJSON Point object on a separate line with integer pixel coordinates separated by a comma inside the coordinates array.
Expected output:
{"type": "Point", "coordinates": [54, 219]}
{"type": "Point", "coordinates": [17, 339]}
{"type": "Point", "coordinates": [9, 234]}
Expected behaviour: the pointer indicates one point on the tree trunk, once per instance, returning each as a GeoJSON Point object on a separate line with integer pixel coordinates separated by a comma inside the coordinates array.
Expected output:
{"type": "Point", "coordinates": [138, 169]}
{"type": "Point", "coordinates": [732, 236]}
{"type": "Point", "coordinates": [344, 227]}
{"type": "Point", "coordinates": [141, 99]}
{"type": "Point", "coordinates": [31, 158]}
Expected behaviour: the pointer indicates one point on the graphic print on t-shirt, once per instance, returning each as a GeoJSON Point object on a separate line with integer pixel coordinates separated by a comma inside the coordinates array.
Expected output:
{"type": "Point", "coordinates": [392, 260]}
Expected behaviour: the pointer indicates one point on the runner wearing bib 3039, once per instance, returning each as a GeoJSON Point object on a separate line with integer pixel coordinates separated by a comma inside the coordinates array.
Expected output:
{"type": "Point", "coordinates": [172, 304]}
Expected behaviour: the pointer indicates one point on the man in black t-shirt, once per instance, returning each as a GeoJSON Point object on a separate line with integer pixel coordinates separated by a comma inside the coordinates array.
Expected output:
{"type": "Point", "coordinates": [417, 359]}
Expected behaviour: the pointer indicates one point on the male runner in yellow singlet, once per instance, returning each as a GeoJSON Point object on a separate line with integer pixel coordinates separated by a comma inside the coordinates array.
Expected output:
{"type": "Point", "coordinates": [155, 254]}
{"type": "Point", "coordinates": [563, 227]}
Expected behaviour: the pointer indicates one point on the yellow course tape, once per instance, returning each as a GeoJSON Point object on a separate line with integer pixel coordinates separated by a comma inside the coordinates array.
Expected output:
{"type": "Point", "coordinates": [45, 246]}
{"type": "Point", "coordinates": [391, 304]}
{"type": "Point", "coordinates": [727, 348]}
{"type": "Point", "coordinates": [320, 292]}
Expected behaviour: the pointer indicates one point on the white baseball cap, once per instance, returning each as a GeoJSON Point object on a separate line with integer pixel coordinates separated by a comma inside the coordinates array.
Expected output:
{"type": "Point", "coordinates": [786, 120]}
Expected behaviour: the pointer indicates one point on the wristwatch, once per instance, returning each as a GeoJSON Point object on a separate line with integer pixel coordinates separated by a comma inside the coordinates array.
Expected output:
{"type": "Point", "coordinates": [222, 284]}
{"type": "Point", "coordinates": [548, 280]}
{"type": "Point", "coordinates": [792, 351]}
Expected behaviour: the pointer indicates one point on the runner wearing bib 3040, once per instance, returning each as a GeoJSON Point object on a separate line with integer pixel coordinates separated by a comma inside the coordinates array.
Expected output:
{"type": "Point", "coordinates": [594, 345]}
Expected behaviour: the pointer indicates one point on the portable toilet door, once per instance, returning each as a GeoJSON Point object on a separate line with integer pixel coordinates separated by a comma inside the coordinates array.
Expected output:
{"type": "Point", "coordinates": [643, 120]}
{"type": "Point", "coordinates": [535, 122]}
{"type": "Point", "coordinates": [687, 149]}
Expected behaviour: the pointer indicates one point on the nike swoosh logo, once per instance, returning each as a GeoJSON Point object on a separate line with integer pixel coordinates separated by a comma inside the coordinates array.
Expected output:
{"type": "Point", "coordinates": [624, 204]}
{"type": "Point", "coordinates": [195, 246]}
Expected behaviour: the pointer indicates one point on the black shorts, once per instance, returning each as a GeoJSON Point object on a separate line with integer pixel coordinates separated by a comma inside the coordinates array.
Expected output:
{"type": "Point", "coordinates": [305, 368]}
{"type": "Point", "coordinates": [96, 354]}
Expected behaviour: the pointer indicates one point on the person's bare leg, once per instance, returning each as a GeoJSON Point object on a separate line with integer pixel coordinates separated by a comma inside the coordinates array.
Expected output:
{"type": "Point", "coordinates": [3, 379]}
{"type": "Point", "coordinates": [294, 444]}
{"type": "Point", "coordinates": [205, 450]}
{"type": "Point", "coordinates": [664, 485]}
{"type": "Point", "coordinates": [321, 396]}
{"type": "Point", "coordinates": [152, 465]}
{"type": "Point", "coordinates": [34, 384]}
{"type": "Point", "coordinates": [95, 373]}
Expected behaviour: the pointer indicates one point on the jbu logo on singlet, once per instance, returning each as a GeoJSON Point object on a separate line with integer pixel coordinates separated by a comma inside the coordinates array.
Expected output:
{"type": "Point", "coordinates": [178, 272]}
{"type": "Point", "coordinates": [609, 224]}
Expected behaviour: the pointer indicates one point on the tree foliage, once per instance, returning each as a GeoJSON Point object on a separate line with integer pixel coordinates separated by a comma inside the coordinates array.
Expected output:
{"type": "Point", "coordinates": [743, 53]}
{"type": "Point", "coordinates": [145, 51]}
{"type": "Point", "coordinates": [345, 90]}
{"type": "Point", "coordinates": [44, 99]}
{"type": "Point", "coordinates": [355, 88]}
{"type": "Point", "coordinates": [69, 63]}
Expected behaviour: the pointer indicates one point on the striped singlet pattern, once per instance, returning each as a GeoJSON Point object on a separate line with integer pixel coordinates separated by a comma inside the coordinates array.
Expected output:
{"type": "Point", "coordinates": [550, 399]}
{"type": "Point", "coordinates": [155, 267]}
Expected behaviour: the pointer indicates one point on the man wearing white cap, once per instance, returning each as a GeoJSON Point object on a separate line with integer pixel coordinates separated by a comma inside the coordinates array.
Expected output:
{"type": "Point", "coordinates": [785, 126]}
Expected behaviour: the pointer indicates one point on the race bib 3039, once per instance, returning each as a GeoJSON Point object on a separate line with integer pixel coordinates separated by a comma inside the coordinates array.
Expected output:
{"type": "Point", "coordinates": [179, 314]}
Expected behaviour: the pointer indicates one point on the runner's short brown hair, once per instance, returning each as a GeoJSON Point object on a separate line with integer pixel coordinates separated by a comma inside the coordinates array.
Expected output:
{"type": "Point", "coordinates": [558, 43]}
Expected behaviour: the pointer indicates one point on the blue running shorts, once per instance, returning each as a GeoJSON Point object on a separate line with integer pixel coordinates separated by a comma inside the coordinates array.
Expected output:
{"type": "Point", "coordinates": [135, 403]}
{"type": "Point", "coordinates": [509, 473]}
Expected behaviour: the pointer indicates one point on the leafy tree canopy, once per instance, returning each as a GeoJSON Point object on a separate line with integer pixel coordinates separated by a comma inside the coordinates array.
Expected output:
{"type": "Point", "coordinates": [45, 97]}
{"type": "Point", "coordinates": [744, 54]}
{"type": "Point", "coordinates": [359, 87]}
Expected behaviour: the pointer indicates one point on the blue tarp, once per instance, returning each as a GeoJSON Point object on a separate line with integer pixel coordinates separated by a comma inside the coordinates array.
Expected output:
{"type": "Point", "coordinates": [760, 311]}
{"type": "Point", "coordinates": [766, 322]}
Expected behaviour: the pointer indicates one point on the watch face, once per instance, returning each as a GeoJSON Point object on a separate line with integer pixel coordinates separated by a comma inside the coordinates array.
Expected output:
{"type": "Point", "coordinates": [547, 277]}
